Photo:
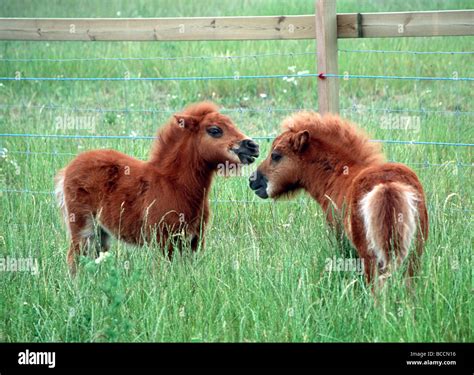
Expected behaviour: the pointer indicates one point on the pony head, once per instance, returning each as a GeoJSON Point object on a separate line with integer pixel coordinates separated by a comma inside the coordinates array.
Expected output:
{"type": "Point", "coordinates": [212, 135]}
{"type": "Point", "coordinates": [311, 149]}
{"type": "Point", "coordinates": [279, 173]}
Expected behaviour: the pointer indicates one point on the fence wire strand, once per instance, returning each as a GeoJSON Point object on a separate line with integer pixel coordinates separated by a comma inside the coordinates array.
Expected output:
{"type": "Point", "coordinates": [240, 110]}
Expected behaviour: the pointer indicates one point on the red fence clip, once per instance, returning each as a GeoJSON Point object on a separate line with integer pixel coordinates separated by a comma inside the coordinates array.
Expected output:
{"type": "Point", "coordinates": [321, 76]}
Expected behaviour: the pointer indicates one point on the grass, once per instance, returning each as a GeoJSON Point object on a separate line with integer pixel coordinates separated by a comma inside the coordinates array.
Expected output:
{"type": "Point", "coordinates": [262, 275]}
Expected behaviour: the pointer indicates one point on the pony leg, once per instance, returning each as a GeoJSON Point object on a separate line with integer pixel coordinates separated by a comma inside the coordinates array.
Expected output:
{"type": "Point", "coordinates": [103, 241]}
{"type": "Point", "coordinates": [370, 269]}
{"type": "Point", "coordinates": [76, 248]}
{"type": "Point", "coordinates": [82, 236]}
{"type": "Point", "coordinates": [374, 276]}
{"type": "Point", "coordinates": [414, 260]}
{"type": "Point", "coordinates": [421, 237]}
{"type": "Point", "coordinates": [196, 242]}
{"type": "Point", "coordinates": [166, 244]}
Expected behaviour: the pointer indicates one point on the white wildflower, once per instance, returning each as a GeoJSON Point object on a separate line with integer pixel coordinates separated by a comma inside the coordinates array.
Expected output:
{"type": "Point", "coordinates": [102, 257]}
{"type": "Point", "coordinates": [236, 265]}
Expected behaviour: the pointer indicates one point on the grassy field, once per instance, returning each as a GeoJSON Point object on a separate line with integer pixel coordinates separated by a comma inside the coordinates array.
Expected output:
{"type": "Point", "coordinates": [262, 275]}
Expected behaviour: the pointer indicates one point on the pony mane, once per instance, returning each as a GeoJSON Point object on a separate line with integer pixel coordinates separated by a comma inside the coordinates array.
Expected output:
{"type": "Point", "coordinates": [171, 134]}
{"type": "Point", "coordinates": [338, 132]}
{"type": "Point", "coordinates": [200, 109]}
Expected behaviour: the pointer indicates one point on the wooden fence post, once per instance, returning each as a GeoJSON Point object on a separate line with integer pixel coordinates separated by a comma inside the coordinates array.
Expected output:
{"type": "Point", "coordinates": [326, 46]}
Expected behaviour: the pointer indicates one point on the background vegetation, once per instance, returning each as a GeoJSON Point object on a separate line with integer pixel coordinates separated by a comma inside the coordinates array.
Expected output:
{"type": "Point", "coordinates": [262, 275]}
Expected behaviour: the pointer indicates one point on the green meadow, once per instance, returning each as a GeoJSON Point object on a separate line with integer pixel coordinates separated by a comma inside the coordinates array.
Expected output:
{"type": "Point", "coordinates": [262, 275]}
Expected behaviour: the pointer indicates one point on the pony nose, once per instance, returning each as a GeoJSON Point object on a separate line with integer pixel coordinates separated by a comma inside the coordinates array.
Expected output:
{"type": "Point", "coordinates": [250, 146]}
{"type": "Point", "coordinates": [257, 180]}
{"type": "Point", "coordinates": [258, 183]}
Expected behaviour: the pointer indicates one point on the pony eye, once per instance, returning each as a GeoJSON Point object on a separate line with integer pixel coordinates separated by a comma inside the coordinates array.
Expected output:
{"type": "Point", "coordinates": [214, 131]}
{"type": "Point", "coordinates": [276, 156]}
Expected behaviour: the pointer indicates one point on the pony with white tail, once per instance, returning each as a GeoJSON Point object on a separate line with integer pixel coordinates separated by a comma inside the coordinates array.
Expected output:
{"type": "Point", "coordinates": [381, 206]}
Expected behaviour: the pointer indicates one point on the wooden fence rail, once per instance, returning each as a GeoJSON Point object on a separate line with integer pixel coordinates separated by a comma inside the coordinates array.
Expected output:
{"type": "Point", "coordinates": [349, 25]}
{"type": "Point", "coordinates": [325, 26]}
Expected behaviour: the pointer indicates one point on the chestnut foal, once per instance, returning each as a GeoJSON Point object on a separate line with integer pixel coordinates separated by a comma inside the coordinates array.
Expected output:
{"type": "Point", "coordinates": [381, 205]}
{"type": "Point", "coordinates": [104, 192]}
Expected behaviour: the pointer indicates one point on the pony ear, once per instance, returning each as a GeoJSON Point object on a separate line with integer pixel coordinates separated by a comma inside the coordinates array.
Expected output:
{"type": "Point", "coordinates": [300, 141]}
{"type": "Point", "coordinates": [186, 121]}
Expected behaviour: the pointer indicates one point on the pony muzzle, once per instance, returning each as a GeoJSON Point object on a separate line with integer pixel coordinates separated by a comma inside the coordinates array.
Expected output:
{"type": "Point", "coordinates": [259, 184]}
{"type": "Point", "coordinates": [247, 151]}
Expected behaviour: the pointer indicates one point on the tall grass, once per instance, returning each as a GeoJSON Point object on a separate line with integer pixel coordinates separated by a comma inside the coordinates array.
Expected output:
{"type": "Point", "coordinates": [262, 276]}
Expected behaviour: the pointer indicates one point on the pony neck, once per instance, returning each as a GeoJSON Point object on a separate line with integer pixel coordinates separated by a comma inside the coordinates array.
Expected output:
{"type": "Point", "coordinates": [179, 162]}
{"type": "Point", "coordinates": [328, 182]}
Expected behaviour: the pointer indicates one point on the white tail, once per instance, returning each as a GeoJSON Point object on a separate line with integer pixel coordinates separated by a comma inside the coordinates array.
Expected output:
{"type": "Point", "coordinates": [390, 217]}
{"type": "Point", "coordinates": [61, 199]}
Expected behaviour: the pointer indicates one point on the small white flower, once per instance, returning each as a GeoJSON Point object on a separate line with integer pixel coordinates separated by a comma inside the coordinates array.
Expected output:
{"type": "Point", "coordinates": [292, 68]}
{"type": "Point", "coordinates": [102, 257]}
{"type": "Point", "coordinates": [119, 13]}
{"type": "Point", "coordinates": [133, 134]}
{"type": "Point", "coordinates": [263, 95]}
{"type": "Point", "coordinates": [236, 265]}
{"type": "Point", "coordinates": [245, 98]}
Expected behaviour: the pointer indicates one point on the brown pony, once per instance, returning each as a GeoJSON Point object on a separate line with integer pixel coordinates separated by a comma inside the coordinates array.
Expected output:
{"type": "Point", "coordinates": [380, 205]}
{"type": "Point", "coordinates": [104, 192]}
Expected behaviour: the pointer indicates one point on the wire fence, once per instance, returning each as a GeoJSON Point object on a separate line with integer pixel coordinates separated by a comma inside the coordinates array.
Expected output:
{"type": "Point", "coordinates": [260, 111]}
{"type": "Point", "coordinates": [355, 108]}
{"type": "Point", "coordinates": [298, 202]}
{"type": "Point", "coordinates": [258, 138]}
{"type": "Point", "coordinates": [238, 77]}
